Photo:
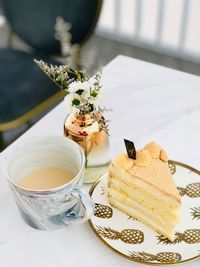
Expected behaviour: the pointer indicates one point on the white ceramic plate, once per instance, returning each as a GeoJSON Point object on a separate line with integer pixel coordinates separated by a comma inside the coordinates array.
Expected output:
{"type": "Point", "coordinates": [135, 241]}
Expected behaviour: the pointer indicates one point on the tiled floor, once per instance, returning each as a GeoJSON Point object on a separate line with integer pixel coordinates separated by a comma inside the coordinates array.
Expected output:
{"type": "Point", "coordinates": [105, 50]}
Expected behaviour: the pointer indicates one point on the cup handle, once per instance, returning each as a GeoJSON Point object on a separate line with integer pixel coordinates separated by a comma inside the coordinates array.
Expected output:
{"type": "Point", "coordinates": [81, 211]}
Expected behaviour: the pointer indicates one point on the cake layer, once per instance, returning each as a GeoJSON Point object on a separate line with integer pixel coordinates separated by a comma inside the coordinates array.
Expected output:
{"type": "Point", "coordinates": [137, 194]}
{"type": "Point", "coordinates": [131, 181]}
{"type": "Point", "coordinates": [163, 222]}
{"type": "Point", "coordinates": [169, 233]}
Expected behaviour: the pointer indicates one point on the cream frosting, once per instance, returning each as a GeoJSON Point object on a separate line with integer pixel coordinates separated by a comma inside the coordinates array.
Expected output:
{"type": "Point", "coordinates": [150, 166]}
{"type": "Point", "coordinates": [124, 162]}
{"type": "Point", "coordinates": [154, 149]}
{"type": "Point", "coordinates": [143, 156]}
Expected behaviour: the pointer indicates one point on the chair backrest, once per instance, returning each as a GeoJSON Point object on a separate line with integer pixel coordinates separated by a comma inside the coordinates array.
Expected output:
{"type": "Point", "coordinates": [34, 20]}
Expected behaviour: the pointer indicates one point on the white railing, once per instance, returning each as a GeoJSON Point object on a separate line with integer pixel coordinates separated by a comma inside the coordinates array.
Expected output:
{"type": "Point", "coordinates": [167, 26]}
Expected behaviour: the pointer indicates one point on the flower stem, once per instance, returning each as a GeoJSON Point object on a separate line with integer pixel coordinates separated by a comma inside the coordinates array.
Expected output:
{"type": "Point", "coordinates": [86, 154]}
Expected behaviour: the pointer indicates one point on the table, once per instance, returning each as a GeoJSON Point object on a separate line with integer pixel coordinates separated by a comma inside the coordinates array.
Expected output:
{"type": "Point", "coordinates": [149, 102]}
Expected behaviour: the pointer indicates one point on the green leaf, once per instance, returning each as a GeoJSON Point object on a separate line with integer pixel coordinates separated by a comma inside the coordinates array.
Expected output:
{"type": "Point", "coordinates": [75, 102]}
{"type": "Point", "coordinates": [94, 94]}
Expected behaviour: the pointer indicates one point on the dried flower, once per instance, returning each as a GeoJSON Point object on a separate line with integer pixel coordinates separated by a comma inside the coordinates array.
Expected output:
{"type": "Point", "coordinates": [70, 52]}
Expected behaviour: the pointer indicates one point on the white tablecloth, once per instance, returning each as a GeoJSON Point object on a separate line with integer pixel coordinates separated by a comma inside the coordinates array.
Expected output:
{"type": "Point", "coordinates": [149, 102]}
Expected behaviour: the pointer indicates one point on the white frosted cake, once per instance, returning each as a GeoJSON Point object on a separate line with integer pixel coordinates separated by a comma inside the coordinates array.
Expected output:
{"type": "Point", "coordinates": [144, 189]}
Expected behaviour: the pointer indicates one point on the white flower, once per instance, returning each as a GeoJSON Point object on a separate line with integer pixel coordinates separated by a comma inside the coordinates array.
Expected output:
{"type": "Point", "coordinates": [69, 98]}
{"type": "Point", "coordinates": [75, 86]}
{"type": "Point", "coordinates": [76, 96]}
{"type": "Point", "coordinates": [68, 104]}
{"type": "Point", "coordinates": [85, 94]}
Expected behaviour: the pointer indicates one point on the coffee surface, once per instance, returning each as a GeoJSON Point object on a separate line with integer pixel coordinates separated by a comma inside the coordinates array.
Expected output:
{"type": "Point", "coordinates": [46, 178]}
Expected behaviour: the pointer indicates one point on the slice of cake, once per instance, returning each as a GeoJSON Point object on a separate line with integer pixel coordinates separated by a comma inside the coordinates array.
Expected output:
{"type": "Point", "coordinates": [144, 189]}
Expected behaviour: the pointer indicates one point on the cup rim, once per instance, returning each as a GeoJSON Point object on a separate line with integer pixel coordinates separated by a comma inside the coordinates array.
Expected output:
{"type": "Point", "coordinates": [52, 190]}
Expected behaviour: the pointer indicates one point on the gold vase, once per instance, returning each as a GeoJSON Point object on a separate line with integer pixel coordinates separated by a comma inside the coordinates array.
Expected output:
{"type": "Point", "coordinates": [87, 130]}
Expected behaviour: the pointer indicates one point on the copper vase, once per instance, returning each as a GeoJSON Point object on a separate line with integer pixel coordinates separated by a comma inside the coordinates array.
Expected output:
{"type": "Point", "coordinates": [88, 132]}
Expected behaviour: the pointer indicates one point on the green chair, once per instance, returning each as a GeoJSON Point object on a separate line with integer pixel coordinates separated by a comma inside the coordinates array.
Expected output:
{"type": "Point", "coordinates": [24, 90]}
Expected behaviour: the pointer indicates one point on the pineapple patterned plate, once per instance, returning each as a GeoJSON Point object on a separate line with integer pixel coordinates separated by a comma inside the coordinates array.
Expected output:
{"type": "Point", "coordinates": [135, 241]}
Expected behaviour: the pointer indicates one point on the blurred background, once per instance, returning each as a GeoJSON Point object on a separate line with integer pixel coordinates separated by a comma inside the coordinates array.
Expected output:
{"type": "Point", "coordinates": [164, 32]}
{"type": "Point", "coordinates": [139, 28]}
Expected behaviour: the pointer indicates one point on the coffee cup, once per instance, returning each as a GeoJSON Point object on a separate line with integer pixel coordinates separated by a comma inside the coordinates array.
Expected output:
{"type": "Point", "coordinates": [49, 208]}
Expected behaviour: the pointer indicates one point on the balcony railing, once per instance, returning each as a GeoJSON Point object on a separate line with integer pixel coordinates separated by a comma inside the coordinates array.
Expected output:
{"type": "Point", "coordinates": [167, 26]}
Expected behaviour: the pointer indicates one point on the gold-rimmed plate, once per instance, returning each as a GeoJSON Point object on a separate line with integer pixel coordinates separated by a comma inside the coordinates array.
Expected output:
{"type": "Point", "coordinates": [137, 242]}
